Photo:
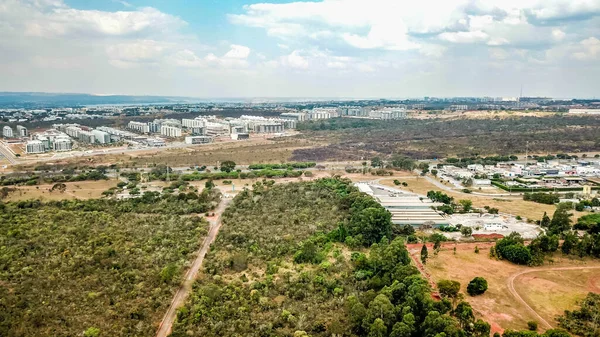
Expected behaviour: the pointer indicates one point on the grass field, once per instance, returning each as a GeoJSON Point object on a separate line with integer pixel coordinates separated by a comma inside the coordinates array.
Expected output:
{"type": "Point", "coordinates": [550, 292]}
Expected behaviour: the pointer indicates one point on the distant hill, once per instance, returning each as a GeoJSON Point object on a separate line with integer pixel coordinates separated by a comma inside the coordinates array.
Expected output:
{"type": "Point", "coordinates": [40, 99]}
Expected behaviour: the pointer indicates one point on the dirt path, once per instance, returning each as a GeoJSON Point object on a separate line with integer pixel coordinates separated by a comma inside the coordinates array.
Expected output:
{"type": "Point", "coordinates": [183, 292]}
{"type": "Point", "coordinates": [513, 291]}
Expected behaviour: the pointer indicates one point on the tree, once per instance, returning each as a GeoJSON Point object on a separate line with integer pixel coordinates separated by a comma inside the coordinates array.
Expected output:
{"type": "Point", "coordinates": [227, 166]}
{"type": "Point", "coordinates": [424, 254]}
{"type": "Point", "coordinates": [561, 220]}
{"type": "Point", "coordinates": [449, 288]}
{"type": "Point", "coordinates": [464, 313]}
{"type": "Point", "coordinates": [466, 231]}
{"type": "Point", "coordinates": [376, 162]}
{"type": "Point", "coordinates": [373, 223]}
{"type": "Point", "coordinates": [378, 329]}
{"type": "Point", "coordinates": [466, 205]}
{"type": "Point", "coordinates": [209, 184]}
{"type": "Point", "coordinates": [569, 243]}
{"type": "Point", "coordinates": [381, 308]}
{"type": "Point", "coordinates": [434, 172]}
{"type": "Point", "coordinates": [545, 222]}
{"type": "Point", "coordinates": [477, 286]}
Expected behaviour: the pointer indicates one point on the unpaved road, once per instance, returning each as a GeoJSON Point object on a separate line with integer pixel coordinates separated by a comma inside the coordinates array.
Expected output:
{"type": "Point", "coordinates": [513, 291]}
{"type": "Point", "coordinates": [183, 292]}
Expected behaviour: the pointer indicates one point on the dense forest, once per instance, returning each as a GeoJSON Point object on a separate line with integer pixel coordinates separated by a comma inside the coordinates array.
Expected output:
{"type": "Point", "coordinates": [105, 267]}
{"type": "Point", "coordinates": [352, 139]}
{"type": "Point", "coordinates": [317, 259]}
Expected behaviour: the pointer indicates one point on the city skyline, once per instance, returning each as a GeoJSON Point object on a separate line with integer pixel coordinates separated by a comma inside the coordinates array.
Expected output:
{"type": "Point", "coordinates": [330, 48]}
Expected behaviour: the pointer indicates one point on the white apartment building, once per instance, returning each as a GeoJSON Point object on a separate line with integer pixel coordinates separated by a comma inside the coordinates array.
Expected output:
{"type": "Point", "coordinates": [86, 137]}
{"type": "Point", "coordinates": [101, 136]}
{"type": "Point", "coordinates": [297, 116]}
{"type": "Point", "coordinates": [138, 127]}
{"type": "Point", "coordinates": [7, 132]}
{"type": "Point", "coordinates": [22, 131]}
{"type": "Point", "coordinates": [217, 129]}
{"type": "Point", "coordinates": [35, 146]}
{"type": "Point", "coordinates": [62, 143]}
{"type": "Point", "coordinates": [170, 131]}
{"type": "Point", "coordinates": [192, 123]}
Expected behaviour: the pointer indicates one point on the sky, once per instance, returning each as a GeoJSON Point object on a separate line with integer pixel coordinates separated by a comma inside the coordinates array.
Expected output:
{"type": "Point", "coordinates": [279, 48]}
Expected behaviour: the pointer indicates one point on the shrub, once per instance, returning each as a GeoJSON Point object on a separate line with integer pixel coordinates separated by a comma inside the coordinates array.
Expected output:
{"type": "Point", "coordinates": [477, 286]}
{"type": "Point", "coordinates": [532, 325]}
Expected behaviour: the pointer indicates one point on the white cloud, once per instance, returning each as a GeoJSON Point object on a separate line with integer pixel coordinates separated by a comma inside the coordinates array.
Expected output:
{"type": "Point", "coordinates": [238, 52]}
{"type": "Point", "coordinates": [295, 60]}
{"type": "Point", "coordinates": [589, 49]}
{"type": "Point", "coordinates": [558, 34]}
{"type": "Point", "coordinates": [464, 37]}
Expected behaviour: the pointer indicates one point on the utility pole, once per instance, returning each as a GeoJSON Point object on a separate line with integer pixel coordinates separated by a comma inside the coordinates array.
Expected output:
{"type": "Point", "coordinates": [167, 173]}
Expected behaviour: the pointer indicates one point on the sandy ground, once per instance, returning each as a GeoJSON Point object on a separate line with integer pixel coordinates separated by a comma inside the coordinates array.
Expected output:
{"type": "Point", "coordinates": [75, 190]}
{"type": "Point", "coordinates": [497, 305]}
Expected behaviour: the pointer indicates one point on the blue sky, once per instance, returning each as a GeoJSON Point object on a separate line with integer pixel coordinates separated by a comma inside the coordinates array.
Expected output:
{"type": "Point", "coordinates": [313, 48]}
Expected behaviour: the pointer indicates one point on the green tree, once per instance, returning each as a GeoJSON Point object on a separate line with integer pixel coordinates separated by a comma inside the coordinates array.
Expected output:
{"type": "Point", "coordinates": [449, 288]}
{"type": "Point", "coordinates": [434, 172]}
{"type": "Point", "coordinates": [378, 329]}
{"type": "Point", "coordinates": [569, 242]}
{"type": "Point", "coordinates": [373, 223]}
{"type": "Point", "coordinates": [477, 286]}
{"type": "Point", "coordinates": [532, 325]}
{"type": "Point", "coordinates": [466, 204]}
{"type": "Point", "coordinates": [424, 254]}
{"type": "Point", "coordinates": [376, 162]}
{"type": "Point", "coordinates": [380, 308]}
{"type": "Point", "coordinates": [227, 166]}
{"type": "Point", "coordinates": [545, 222]}
{"type": "Point", "coordinates": [561, 220]}
{"type": "Point", "coordinates": [466, 231]}
{"type": "Point", "coordinates": [481, 328]}
{"type": "Point", "coordinates": [464, 314]}
{"type": "Point", "coordinates": [209, 184]}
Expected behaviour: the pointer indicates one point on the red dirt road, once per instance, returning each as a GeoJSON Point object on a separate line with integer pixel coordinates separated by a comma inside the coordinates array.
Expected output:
{"type": "Point", "coordinates": [183, 292]}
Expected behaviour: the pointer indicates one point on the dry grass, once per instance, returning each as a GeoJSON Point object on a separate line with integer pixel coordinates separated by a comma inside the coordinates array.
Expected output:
{"type": "Point", "coordinates": [75, 190]}
{"type": "Point", "coordinates": [556, 291]}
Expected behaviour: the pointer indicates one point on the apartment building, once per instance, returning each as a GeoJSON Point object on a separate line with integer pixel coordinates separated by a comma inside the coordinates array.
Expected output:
{"type": "Point", "coordinates": [35, 146]}
{"type": "Point", "coordinates": [139, 127]}
{"type": "Point", "coordinates": [22, 131]}
{"type": "Point", "coordinates": [170, 131]}
{"type": "Point", "coordinates": [7, 132]}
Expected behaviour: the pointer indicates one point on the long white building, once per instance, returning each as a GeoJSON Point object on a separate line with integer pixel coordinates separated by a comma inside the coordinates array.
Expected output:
{"type": "Point", "coordinates": [138, 127]}
{"type": "Point", "coordinates": [585, 111]}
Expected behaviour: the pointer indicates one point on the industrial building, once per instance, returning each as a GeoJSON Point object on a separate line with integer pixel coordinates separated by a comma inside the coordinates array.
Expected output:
{"type": "Point", "coordinates": [406, 208]}
{"type": "Point", "coordinates": [240, 136]}
{"type": "Point", "coordinates": [585, 111]}
{"type": "Point", "coordinates": [198, 140]}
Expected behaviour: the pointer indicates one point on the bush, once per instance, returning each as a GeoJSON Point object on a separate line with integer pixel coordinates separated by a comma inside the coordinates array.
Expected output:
{"type": "Point", "coordinates": [532, 325]}
{"type": "Point", "coordinates": [477, 286]}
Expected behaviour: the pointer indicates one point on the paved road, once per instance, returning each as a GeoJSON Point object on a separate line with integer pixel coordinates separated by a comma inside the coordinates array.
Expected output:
{"type": "Point", "coordinates": [513, 291]}
{"type": "Point", "coordinates": [7, 154]}
{"type": "Point", "coordinates": [183, 292]}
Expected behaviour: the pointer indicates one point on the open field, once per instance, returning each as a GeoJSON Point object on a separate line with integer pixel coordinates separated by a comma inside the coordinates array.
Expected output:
{"type": "Point", "coordinates": [549, 293]}
{"type": "Point", "coordinates": [75, 190]}
{"type": "Point", "coordinates": [556, 291]}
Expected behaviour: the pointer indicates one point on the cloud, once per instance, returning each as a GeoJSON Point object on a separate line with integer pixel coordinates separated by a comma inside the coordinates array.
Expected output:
{"type": "Point", "coordinates": [589, 49]}
{"type": "Point", "coordinates": [238, 52]}
{"type": "Point", "coordinates": [294, 60]}
{"type": "Point", "coordinates": [558, 34]}
{"type": "Point", "coordinates": [464, 37]}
